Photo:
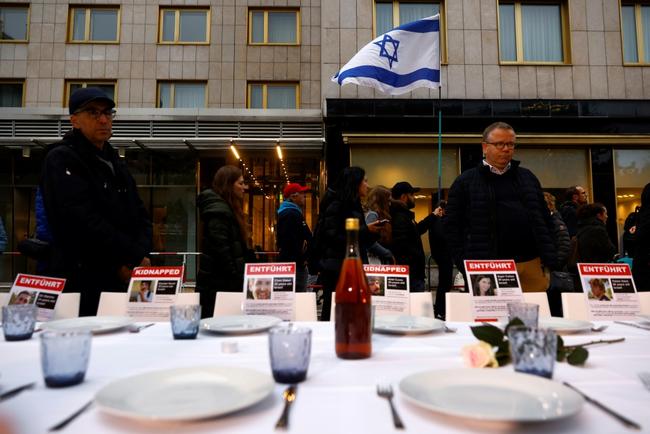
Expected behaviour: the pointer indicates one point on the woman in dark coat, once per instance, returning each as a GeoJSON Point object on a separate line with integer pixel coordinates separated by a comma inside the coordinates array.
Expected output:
{"type": "Point", "coordinates": [641, 264]}
{"type": "Point", "coordinates": [353, 188]}
{"type": "Point", "coordinates": [594, 244]}
{"type": "Point", "coordinates": [224, 248]}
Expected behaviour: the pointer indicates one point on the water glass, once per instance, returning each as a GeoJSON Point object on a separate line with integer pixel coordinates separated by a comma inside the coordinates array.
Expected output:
{"type": "Point", "coordinates": [533, 350]}
{"type": "Point", "coordinates": [64, 356]}
{"type": "Point", "coordinates": [185, 319]}
{"type": "Point", "coordinates": [528, 313]}
{"type": "Point", "coordinates": [18, 321]}
{"type": "Point", "coordinates": [290, 350]}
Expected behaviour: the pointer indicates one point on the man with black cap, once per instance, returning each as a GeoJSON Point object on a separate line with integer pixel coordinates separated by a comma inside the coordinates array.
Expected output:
{"type": "Point", "coordinates": [100, 227]}
{"type": "Point", "coordinates": [293, 231]}
{"type": "Point", "coordinates": [406, 242]}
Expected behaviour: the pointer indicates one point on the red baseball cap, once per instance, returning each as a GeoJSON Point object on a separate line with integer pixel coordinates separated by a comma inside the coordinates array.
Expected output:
{"type": "Point", "coordinates": [293, 188]}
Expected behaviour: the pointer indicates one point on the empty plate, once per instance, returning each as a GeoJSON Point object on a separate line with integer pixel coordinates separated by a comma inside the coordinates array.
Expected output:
{"type": "Point", "coordinates": [239, 324]}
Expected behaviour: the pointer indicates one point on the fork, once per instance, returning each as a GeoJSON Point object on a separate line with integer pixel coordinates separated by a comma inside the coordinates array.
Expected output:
{"type": "Point", "coordinates": [386, 391]}
{"type": "Point", "coordinates": [645, 379]}
{"type": "Point", "coordinates": [136, 328]}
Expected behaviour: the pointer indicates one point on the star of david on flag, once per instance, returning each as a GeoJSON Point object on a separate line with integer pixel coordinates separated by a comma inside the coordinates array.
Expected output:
{"type": "Point", "coordinates": [398, 61]}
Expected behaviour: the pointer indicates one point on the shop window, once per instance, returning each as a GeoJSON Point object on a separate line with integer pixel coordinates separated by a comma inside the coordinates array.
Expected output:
{"type": "Point", "coordinates": [11, 93]}
{"type": "Point", "coordinates": [94, 24]}
{"type": "Point", "coordinates": [71, 86]}
{"type": "Point", "coordinates": [533, 32]}
{"type": "Point", "coordinates": [184, 26]}
{"type": "Point", "coordinates": [631, 174]}
{"type": "Point", "coordinates": [14, 23]}
{"type": "Point", "coordinates": [273, 95]}
{"type": "Point", "coordinates": [635, 25]}
{"type": "Point", "coordinates": [175, 94]}
{"type": "Point", "coordinates": [274, 26]}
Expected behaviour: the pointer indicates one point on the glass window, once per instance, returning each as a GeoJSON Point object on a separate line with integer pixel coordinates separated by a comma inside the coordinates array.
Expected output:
{"type": "Point", "coordinates": [631, 174]}
{"type": "Point", "coordinates": [11, 94]}
{"type": "Point", "coordinates": [273, 95]}
{"type": "Point", "coordinates": [184, 26]}
{"type": "Point", "coordinates": [181, 95]}
{"type": "Point", "coordinates": [392, 13]}
{"type": "Point", "coordinates": [273, 26]}
{"type": "Point", "coordinates": [636, 33]}
{"type": "Point", "coordinates": [531, 33]}
{"type": "Point", "coordinates": [96, 24]}
{"type": "Point", "coordinates": [14, 23]}
{"type": "Point", "coordinates": [72, 85]}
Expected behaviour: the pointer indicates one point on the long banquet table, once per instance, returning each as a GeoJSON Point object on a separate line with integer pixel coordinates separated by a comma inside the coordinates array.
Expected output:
{"type": "Point", "coordinates": [339, 396]}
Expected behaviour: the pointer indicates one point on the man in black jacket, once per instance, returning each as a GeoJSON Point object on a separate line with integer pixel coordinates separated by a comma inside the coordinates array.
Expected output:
{"type": "Point", "coordinates": [406, 242]}
{"type": "Point", "coordinates": [293, 232]}
{"type": "Point", "coordinates": [497, 211]}
{"type": "Point", "coordinates": [575, 197]}
{"type": "Point", "coordinates": [99, 225]}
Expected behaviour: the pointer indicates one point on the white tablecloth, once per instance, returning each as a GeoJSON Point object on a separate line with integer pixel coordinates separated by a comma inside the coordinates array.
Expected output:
{"type": "Point", "coordinates": [339, 395]}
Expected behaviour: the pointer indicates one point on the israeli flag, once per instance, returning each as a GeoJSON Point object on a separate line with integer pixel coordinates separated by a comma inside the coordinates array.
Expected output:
{"type": "Point", "coordinates": [398, 61]}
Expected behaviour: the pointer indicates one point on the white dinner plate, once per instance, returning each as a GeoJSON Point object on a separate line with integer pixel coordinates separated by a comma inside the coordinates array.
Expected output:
{"type": "Point", "coordinates": [239, 324]}
{"type": "Point", "coordinates": [182, 394]}
{"type": "Point", "coordinates": [96, 324]}
{"type": "Point", "coordinates": [644, 318]}
{"type": "Point", "coordinates": [564, 325]}
{"type": "Point", "coordinates": [491, 395]}
{"type": "Point", "coordinates": [407, 324]}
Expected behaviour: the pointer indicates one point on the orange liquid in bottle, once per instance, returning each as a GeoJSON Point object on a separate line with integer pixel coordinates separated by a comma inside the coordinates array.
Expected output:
{"type": "Point", "coordinates": [353, 309]}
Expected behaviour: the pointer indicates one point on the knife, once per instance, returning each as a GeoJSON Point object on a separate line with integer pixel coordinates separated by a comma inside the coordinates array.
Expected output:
{"type": "Point", "coordinates": [15, 391]}
{"type": "Point", "coordinates": [625, 421]}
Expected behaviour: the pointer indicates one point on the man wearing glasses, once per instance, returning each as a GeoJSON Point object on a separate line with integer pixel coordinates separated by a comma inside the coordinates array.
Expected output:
{"type": "Point", "coordinates": [100, 227]}
{"type": "Point", "coordinates": [497, 211]}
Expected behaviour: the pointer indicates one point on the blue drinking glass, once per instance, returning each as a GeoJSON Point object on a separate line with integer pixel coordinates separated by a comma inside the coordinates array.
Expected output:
{"type": "Point", "coordinates": [185, 319]}
{"type": "Point", "coordinates": [289, 350]}
{"type": "Point", "coordinates": [18, 321]}
{"type": "Point", "coordinates": [65, 356]}
{"type": "Point", "coordinates": [533, 350]}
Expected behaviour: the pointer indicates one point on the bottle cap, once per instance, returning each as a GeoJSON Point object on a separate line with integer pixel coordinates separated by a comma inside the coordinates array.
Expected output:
{"type": "Point", "coordinates": [351, 224]}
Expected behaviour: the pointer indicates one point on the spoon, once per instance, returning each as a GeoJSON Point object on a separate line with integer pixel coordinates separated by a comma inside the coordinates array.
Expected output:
{"type": "Point", "coordinates": [600, 328]}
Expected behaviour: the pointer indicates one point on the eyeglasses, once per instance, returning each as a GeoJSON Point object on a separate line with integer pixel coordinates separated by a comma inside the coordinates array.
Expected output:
{"type": "Point", "coordinates": [502, 145]}
{"type": "Point", "coordinates": [96, 114]}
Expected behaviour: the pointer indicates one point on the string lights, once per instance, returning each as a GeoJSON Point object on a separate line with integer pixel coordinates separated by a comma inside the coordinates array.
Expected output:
{"type": "Point", "coordinates": [278, 149]}
{"type": "Point", "coordinates": [248, 172]}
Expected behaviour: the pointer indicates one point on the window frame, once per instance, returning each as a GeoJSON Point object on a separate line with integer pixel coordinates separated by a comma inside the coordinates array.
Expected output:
{"type": "Point", "coordinates": [18, 41]}
{"type": "Point", "coordinates": [87, 83]}
{"type": "Point", "coordinates": [15, 81]}
{"type": "Point", "coordinates": [173, 83]}
{"type": "Point", "coordinates": [177, 24]}
{"type": "Point", "coordinates": [266, 11]}
{"type": "Point", "coordinates": [519, 32]}
{"type": "Point", "coordinates": [88, 9]}
{"type": "Point", "coordinates": [396, 3]}
{"type": "Point", "coordinates": [265, 85]}
{"type": "Point", "coordinates": [638, 22]}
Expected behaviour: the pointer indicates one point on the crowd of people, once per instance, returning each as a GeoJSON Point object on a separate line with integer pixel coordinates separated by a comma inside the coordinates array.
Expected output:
{"type": "Point", "coordinates": [100, 229]}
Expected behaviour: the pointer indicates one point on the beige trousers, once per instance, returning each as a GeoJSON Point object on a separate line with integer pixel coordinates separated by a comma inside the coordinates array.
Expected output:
{"type": "Point", "coordinates": [532, 276]}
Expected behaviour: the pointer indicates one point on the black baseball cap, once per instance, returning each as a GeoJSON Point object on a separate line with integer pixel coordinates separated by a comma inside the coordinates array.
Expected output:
{"type": "Point", "coordinates": [83, 96]}
{"type": "Point", "coordinates": [402, 187]}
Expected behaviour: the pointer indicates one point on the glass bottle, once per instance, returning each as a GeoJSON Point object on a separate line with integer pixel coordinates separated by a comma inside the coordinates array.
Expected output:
{"type": "Point", "coordinates": [353, 309]}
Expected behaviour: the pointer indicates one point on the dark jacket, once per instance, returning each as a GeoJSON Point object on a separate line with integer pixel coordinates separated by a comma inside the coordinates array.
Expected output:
{"type": "Point", "coordinates": [562, 240]}
{"type": "Point", "coordinates": [641, 266]}
{"type": "Point", "coordinates": [569, 212]}
{"type": "Point", "coordinates": [334, 236]}
{"type": "Point", "coordinates": [97, 220]}
{"type": "Point", "coordinates": [594, 244]}
{"type": "Point", "coordinates": [293, 234]}
{"type": "Point", "coordinates": [224, 251]}
{"type": "Point", "coordinates": [471, 225]}
{"type": "Point", "coordinates": [407, 244]}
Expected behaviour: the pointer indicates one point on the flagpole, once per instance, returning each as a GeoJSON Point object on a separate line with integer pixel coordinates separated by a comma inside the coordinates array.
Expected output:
{"type": "Point", "coordinates": [439, 144]}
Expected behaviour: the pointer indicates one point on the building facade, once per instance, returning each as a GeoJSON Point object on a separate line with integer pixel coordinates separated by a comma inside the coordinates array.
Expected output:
{"type": "Point", "coordinates": [199, 84]}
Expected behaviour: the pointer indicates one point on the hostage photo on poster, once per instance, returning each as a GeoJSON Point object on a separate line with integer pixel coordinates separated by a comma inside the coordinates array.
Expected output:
{"type": "Point", "coordinates": [492, 285]}
{"type": "Point", "coordinates": [269, 289]}
{"type": "Point", "coordinates": [609, 291]}
{"type": "Point", "coordinates": [389, 287]}
{"type": "Point", "coordinates": [152, 290]}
